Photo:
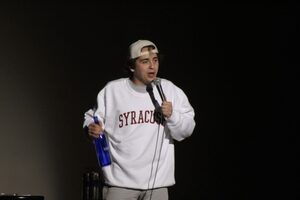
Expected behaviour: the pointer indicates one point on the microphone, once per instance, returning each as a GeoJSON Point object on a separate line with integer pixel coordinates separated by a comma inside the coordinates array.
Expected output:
{"type": "Point", "coordinates": [159, 88]}
{"type": "Point", "coordinates": [158, 115]}
{"type": "Point", "coordinates": [149, 89]}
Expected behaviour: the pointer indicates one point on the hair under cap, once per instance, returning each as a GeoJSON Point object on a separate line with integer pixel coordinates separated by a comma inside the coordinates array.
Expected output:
{"type": "Point", "coordinates": [135, 49]}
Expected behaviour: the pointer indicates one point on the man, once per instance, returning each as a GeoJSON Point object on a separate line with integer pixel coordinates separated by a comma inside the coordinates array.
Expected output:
{"type": "Point", "coordinates": [141, 116]}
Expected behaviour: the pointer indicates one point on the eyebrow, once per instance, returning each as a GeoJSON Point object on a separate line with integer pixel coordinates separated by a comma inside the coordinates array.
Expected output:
{"type": "Point", "coordinates": [156, 57]}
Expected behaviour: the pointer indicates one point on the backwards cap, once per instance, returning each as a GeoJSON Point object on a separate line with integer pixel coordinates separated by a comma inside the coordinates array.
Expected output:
{"type": "Point", "coordinates": [135, 49]}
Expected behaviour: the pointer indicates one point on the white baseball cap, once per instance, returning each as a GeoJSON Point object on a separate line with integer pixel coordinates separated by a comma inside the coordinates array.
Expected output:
{"type": "Point", "coordinates": [135, 49]}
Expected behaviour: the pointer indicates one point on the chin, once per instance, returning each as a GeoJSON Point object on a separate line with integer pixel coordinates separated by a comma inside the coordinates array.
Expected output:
{"type": "Point", "coordinates": [149, 79]}
{"type": "Point", "coordinates": [152, 79]}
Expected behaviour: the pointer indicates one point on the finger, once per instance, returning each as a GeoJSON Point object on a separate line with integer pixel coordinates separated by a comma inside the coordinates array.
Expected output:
{"type": "Point", "coordinates": [94, 134]}
{"type": "Point", "coordinates": [95, 128]}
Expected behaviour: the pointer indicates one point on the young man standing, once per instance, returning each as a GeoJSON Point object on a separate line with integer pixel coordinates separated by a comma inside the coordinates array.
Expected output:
{"type": "Point", "coordinates": [141, 116]}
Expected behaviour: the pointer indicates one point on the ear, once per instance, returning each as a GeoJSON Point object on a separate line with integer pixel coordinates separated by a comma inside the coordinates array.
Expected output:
{"type": "Point", "coordinates": [131, 68]}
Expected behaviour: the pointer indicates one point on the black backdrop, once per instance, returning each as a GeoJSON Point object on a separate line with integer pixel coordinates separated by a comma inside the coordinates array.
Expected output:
{"type": "Point", "coordinates": [236, 62]}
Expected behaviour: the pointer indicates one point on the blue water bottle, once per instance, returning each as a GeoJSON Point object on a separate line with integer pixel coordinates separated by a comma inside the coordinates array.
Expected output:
{"type": "Point", "coordinates": [102, 148]}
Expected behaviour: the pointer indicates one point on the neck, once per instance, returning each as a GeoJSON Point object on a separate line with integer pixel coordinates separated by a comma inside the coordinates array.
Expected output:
{"type": "Point", "coordinates": [137, 87]}
{"type": "Point", "coordinates": [137, 82]}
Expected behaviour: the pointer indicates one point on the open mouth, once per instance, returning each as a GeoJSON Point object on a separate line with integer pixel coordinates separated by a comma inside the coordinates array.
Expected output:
{"type": "Point", "coordinates": [151, 74]}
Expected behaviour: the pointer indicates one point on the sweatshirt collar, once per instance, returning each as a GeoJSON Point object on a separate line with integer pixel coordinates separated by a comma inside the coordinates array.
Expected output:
{"type": "Point", "coordinates": [137, 88]}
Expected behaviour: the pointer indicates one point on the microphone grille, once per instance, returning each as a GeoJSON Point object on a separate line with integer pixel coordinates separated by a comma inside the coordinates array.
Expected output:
{"type": "Point", "coordinates": [156, 81]}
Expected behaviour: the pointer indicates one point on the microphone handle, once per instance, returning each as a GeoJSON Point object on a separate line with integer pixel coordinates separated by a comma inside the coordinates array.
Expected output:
{"type": "Point", "coordinates": [154, 101]}
{"type": "Point", "coordinates": [158, 110]}
{"type": "Point", "coordinates": [161, 93]}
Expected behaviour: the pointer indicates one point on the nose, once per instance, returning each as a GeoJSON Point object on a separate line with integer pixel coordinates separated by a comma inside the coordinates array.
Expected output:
{"type": "Point", "coordinates": [151, 64]}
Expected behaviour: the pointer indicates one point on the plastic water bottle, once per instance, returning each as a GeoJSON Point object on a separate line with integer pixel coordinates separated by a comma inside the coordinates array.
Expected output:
{"type": "Point", "coordinates": [102, 148]}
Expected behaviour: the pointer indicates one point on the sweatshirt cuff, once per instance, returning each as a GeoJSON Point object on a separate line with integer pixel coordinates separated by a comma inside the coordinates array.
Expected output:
{"type": "Point", "coordinates": [174, 118]}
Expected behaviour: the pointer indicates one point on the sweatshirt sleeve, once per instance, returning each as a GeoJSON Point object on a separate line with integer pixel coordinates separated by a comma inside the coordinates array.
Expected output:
{"type": "Point", "coordinates": [88, 118]}
{"type": "Point", "coordinates": [96, 111]}
{"type": "Point", "coordinates": [181, 124]}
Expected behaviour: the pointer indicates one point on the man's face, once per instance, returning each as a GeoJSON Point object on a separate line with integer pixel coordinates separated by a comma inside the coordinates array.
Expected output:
{"type": "Point", "coordinates": [146, 67]}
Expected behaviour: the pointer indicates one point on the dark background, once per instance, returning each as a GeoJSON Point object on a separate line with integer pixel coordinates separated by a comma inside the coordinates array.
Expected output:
{"type": "Point", "coordinates": [238, 64]}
